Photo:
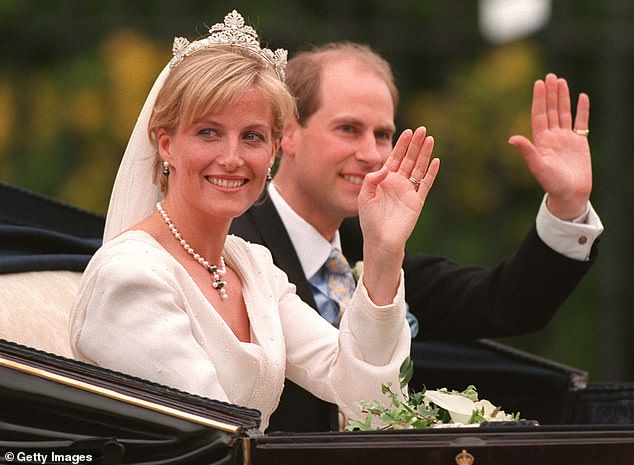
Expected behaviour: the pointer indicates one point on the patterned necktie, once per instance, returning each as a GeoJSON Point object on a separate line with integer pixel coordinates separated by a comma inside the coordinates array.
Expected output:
{"type": "Point", "coordinates": [340, 281]}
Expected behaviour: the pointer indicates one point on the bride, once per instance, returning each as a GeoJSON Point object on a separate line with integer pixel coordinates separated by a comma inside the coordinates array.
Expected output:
{"type": "Point", "coordinates": [172, 298]}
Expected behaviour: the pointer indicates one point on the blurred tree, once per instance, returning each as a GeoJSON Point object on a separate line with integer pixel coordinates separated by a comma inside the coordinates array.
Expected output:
{"type": "Point", "coordinates": [485, 188]}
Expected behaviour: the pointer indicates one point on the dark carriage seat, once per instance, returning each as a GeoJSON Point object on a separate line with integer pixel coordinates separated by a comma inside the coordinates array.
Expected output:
{"type": "Point", "coordinates": [44, 247]}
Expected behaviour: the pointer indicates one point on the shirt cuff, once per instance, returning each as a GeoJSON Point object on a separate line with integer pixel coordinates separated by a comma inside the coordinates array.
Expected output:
{"type": "Point", "coordinates": [572, 239]}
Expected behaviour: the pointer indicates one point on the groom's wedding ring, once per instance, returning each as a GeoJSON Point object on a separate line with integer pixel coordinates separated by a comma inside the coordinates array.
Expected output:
{"type": "Point", "coordinates": [582, 132]}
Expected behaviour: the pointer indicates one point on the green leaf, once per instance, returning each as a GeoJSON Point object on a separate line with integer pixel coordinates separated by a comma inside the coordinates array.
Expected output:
{"type": "Point", "coordinates": [406, 371]}
{"type": "Point", "coordinates": [365, 425]}
{"type": "Point", "coordinates": [470, 393]}
{"type": "Point", "coordinates": [416, 398]}
{"type": "Point", "coordinates": [477, 416]}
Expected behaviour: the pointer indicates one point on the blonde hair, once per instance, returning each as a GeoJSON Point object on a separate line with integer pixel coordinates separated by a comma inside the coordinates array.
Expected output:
{"type": "Point", "coordinates": [214, 78]}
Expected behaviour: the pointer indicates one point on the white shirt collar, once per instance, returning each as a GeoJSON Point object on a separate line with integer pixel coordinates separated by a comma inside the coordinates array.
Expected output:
{"type": "Point", "coordinates": [311, 247]}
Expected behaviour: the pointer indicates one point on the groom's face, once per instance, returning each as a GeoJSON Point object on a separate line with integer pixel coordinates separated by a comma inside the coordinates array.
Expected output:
{"type": "Point", "coordinates": [349, 136]}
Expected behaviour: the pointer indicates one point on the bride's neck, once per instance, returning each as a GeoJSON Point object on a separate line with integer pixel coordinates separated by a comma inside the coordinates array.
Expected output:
{"type": "Point", "coordinates": [205, 236]}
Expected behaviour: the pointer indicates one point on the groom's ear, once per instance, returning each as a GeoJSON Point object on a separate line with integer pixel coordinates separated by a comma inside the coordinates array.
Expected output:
{"type": "Point", "coordinates": [288, 138]}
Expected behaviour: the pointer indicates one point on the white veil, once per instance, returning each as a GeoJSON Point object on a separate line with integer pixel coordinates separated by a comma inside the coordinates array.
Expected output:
{"type": "Point", "coordinates": [134, 194]}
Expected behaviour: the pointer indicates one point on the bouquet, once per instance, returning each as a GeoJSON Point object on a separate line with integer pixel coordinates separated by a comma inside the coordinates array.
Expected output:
{"type": "Point", "coordinates": [427, 408]}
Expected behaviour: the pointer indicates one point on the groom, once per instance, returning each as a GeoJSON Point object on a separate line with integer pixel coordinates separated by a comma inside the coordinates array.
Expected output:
{"type": "Point", "coordinates": [347, 101]}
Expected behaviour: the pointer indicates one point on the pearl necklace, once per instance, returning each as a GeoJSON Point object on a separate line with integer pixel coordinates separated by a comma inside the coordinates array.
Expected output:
{"type": "Point", "coordinates": [217, 273]}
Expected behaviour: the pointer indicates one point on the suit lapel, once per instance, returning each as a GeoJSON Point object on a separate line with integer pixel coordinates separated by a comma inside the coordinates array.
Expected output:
{"type": "Point", "coordinates": [351, 240]}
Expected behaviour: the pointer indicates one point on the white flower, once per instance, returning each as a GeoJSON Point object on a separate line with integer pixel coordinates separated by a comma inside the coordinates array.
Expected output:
{"type": "Point", "coordinates": [357, 270]}
{"type": "Point", "coordinates": [491, 412]}
{"type": "Point", "coordinates": [459, 407]}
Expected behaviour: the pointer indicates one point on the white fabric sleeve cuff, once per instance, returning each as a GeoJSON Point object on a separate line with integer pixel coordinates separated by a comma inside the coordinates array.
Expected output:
{"type": "Point", "coordinates": [573, 239]}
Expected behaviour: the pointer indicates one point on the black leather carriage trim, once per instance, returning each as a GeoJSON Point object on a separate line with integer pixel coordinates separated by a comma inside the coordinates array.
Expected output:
{"type": "Point", "coordinates": [128, 389]}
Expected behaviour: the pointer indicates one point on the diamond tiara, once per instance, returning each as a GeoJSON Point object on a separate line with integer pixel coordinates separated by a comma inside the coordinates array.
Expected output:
{"type": "Point", "coordinates": [235, 33]}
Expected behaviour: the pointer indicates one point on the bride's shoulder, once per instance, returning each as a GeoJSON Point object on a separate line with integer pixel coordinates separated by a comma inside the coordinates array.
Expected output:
{"type": "Point", "coordinates": [236, 245]}
{"type": "Point", "coordinates": [131, 249]}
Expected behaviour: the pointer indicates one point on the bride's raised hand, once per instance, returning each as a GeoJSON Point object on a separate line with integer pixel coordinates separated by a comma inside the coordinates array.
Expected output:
{"type": "Point", "coordinates": [392, 198]}
{"type": "Point", "coordinates": [390, 202]}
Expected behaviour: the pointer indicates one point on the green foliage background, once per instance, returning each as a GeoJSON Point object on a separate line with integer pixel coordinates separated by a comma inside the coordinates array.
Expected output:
{"type": "Point", "coordinates": [74, 74]}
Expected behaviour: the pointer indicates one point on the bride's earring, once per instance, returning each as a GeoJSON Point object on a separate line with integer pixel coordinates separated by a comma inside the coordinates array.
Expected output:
{"type": "Point", "coordinates": [166, 168]}
{"type": "Point", "coordinates": [268, 174]}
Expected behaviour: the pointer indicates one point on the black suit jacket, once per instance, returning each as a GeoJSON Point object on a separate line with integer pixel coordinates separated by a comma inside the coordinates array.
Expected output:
{"type": "Point", "coordinates": [451, 301]}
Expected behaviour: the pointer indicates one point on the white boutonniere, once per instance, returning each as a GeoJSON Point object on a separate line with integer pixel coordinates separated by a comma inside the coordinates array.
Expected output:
{"type": "Point", "coordinates": [357, 270]}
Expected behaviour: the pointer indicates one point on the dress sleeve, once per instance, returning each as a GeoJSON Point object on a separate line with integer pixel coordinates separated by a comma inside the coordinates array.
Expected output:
{"type": "Point", "coordinates": [348, 365]}
{"type": "Point", "coordinates": [130, 317]}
